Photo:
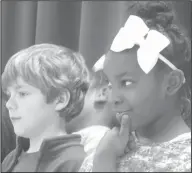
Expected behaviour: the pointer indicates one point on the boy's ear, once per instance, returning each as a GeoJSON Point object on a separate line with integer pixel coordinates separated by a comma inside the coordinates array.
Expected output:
{"type": "Point", "coordinates": [62, 100]}
{"type": "Point", "coordinates": [174, 81]}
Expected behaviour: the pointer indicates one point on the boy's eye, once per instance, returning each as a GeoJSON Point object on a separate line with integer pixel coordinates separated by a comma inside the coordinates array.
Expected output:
{"type": "Point", "coordinates": [22, 94]}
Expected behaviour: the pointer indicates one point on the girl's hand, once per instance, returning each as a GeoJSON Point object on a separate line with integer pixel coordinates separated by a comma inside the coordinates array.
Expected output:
{"type": "Point", "coordinates": [115, 142]}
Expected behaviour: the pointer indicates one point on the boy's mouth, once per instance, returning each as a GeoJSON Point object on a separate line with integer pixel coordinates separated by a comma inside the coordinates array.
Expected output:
{"type": "Point", "coordinates": [14, 119]}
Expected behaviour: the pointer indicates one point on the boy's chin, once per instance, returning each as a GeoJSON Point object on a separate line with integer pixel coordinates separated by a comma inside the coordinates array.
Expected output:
{"type": "Point", "coordinates": [21, 133]}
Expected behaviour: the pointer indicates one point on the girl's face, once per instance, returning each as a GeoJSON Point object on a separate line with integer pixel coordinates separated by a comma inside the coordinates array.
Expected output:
{"type": "Point", "coordinates": [140, 95]}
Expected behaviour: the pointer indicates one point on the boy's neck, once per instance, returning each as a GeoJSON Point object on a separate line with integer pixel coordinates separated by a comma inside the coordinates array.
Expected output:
{"type": "Point", "coordinates": [166, 128]}
{"type": "Point", "coordinates": [50, 132]}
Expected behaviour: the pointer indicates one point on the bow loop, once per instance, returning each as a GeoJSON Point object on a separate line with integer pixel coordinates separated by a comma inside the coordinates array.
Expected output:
{"type": "Point", "coordinates": [148, 53]}
{"type": "Point", "coordinates": [137, 28]}
{"type": "Point", "coordinates": [99, 64]}
{"type": "Point", "coordinates": [133, 33]}
{"type": "Point", "coordinates": [121, 43]}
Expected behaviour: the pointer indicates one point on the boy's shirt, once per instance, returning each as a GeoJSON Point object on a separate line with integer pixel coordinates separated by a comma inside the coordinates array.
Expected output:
{"type": "Point", "coordinates": [27, 162]}
{"type": "Point", "coordinates": [173, 156]}
{"type": "Point", "coordinates": [58, 154]}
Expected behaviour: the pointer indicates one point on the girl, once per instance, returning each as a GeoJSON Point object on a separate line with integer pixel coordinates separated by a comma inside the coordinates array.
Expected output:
{"type": "Point", "coordinates": [148, 66]}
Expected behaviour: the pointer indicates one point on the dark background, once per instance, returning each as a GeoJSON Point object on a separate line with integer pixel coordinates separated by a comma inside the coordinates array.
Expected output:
{"type": "Point", "coordinates": [85, 26]}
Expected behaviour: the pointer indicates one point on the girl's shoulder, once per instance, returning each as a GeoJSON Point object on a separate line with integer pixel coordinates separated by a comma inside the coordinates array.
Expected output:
{"type": "Point", "coordinates": [174, 155]}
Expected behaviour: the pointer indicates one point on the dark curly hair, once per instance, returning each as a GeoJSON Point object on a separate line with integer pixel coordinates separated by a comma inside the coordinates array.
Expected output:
{"type": "Point", "coordinates": [159, 15]}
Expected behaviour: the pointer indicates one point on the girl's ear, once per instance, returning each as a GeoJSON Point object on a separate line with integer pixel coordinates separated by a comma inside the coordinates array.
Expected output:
{"type": "Point", "coordinates": [63, 100]}
{"type": "Point", "coordinates": [174, 81]}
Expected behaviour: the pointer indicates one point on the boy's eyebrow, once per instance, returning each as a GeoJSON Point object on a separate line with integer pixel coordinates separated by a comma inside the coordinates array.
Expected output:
{"type": "Point", "coordinates": [15, 87]}
{"type": "Point", "coordinates": [19, 86]}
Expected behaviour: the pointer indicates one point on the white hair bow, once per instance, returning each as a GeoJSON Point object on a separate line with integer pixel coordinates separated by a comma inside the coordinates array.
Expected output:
{"type": "Point", "coordinates": [99, 64]}
{"type": "Point", "coordinates": [133, 33]}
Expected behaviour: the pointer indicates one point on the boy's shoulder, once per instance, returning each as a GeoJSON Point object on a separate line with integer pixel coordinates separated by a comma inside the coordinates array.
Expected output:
{"type": "Point", "coordinates": [60, 154]}
{"type": "Point", "coordinates": [64, 154]}
{"type": "Point", "coordinates": [73, 153]}
{"type": "Point", "coordinates": [72, 159]}
{"type": "Point", "coordinates": [8, 160]}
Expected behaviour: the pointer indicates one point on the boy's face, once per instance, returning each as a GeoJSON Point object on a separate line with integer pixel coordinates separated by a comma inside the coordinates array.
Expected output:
{"type": "Point", "coordinates": [28, 110]}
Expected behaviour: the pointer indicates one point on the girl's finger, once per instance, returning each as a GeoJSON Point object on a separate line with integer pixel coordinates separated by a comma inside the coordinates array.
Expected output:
{"type": "Point", "coordinates": [125, 126]}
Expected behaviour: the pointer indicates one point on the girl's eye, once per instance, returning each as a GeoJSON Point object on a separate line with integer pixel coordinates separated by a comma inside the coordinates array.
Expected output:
{"type": "Point", "coordinates": [126, 82]}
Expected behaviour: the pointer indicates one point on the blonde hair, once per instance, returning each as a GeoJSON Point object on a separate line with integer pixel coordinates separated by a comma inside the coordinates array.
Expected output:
{"type": "Point", "coordinates": [51, 68]}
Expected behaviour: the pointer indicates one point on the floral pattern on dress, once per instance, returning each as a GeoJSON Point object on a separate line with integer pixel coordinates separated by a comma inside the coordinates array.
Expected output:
{"type": "Point", "coordinates": [172, 156]}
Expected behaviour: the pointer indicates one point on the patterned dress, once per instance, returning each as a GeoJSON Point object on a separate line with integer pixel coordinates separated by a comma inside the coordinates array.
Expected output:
{"type": "Point", "coordinates": [172, 156]}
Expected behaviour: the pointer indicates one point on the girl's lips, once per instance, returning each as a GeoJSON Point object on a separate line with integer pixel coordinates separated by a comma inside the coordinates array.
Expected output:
{"type": "Point", "coordinates": [122, 112]}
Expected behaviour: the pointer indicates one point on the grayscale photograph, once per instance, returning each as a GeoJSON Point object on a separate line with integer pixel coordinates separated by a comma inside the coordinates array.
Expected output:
{"type": "Point", "coordinates": [95, 86]}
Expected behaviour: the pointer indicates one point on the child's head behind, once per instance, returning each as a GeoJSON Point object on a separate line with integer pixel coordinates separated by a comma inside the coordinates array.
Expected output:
{"type": "Point", "coordinates": [147, 97]}
{"type": "Point", "coordinates": [49, 70]}
{"type": "Point", "coordinates": [98, 106]}
{"type": "Point", "coordinates": [102, 103]}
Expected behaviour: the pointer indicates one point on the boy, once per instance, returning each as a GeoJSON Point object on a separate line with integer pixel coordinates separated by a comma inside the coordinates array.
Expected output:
{"type": "Point", "coordinates": [46, 85]}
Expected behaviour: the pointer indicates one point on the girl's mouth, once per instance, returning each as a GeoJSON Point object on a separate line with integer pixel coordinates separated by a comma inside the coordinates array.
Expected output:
{"type": "Point", "coordinates": [122, 113]}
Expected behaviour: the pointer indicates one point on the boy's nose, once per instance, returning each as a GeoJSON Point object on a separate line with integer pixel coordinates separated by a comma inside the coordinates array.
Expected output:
{"type": "Point", "coordinates": [10, 105]}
